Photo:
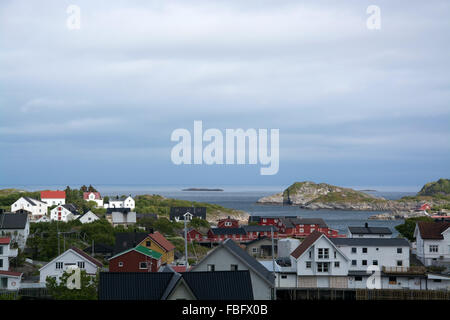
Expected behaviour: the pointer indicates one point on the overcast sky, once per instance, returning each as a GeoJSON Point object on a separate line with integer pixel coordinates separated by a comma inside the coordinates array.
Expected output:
{"type": "Point", "coordinates": [354, 106]}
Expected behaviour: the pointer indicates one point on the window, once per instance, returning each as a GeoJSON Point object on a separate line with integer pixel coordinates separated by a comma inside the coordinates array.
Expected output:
{"type": "Point", "coordinates": [120, 264]}
{"type": "Point", "coordinates": [353, 250]}
{"type": "Point", "coordinates": [302, 230]}
{"type": "Point", "coordinates": [364, 250]}
{"type": "Point", "coordinates": [310, 254]}
{"type": "Point", "coordinates": [80, 264]}
{"type": "Point", "coordinates": [364, 262]}
{"type": "Point", "coordinates": [323, 253]}
{"type": "Point", "coordinates": [322, 267]}
{"type": "Point", "coordinates": [353, 262]}
{"type": "Point", "coordinates": [392, 280]}
{"type": "Point", "coordinates": [255, 250]}
{"type": "Point", "coordinates": [335, 254]}
{"type": "Point", "coordinates": [59, 265]}
{"type": "Point", "coordinates": [399, 263]}
{"type": "Point", "coordinates": [283, 277]}
{"type": "Point", "coordinates": [227, 224]}
{"type": "Point", "coordinates": [434, 248]}
{"type": "Point", "coordinates": [211, 267]}
{"type": "Point", "coordinates": [234, 267]}
{"type": "Point", "coordinates": [399, 250]}
{"type": "Point", "coordinates": [148, 243]}
{"type": "Point", "coordinates": [336, 264]}
{"type": "Point", "coordinates": [308, 264]}
{"type": "Point", "coordinates": [142, 265]}
{"type": "Point", "coordinates": [359, 278]}
{"type": "Point", "coordinates": [1, 263]}
{"type": "Point", "coordinates": [1, 249]}
{"type": "Point", "coordinates": [375, 262]}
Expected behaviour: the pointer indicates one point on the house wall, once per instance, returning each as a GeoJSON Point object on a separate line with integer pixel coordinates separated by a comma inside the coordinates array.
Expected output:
{"type": "Point", "coordinates": [257, 246]}
{"type": "Point", "coordinates": [66, 215]}
{"type": "Point", "coordinates": [369, 236]}
{"type": "Point", "coordinates": [131, 262]}
{"type": "Point", "coordinates": [167, 257]}
{"type": "Point", "coordinates": [54, 201]}
{"type": "Point", "coordinates": [39, 209]}
{"type": "Point", "coordinates": [181, 293]}
{"type": "Point", "coordinates": [18, 236]}
{"type": "Point", "coordinates": [91, 197]}
{"type": "Point", "coordinates": [88, 218]}
{"type": "Point", "coordinates": [423, 248]}
{"type": "Point", "coordinates": [12, 283]}
{"type": "Point", "coordinates": [67, 258]}
{"type": "Point", "coordinates": [223, 259]}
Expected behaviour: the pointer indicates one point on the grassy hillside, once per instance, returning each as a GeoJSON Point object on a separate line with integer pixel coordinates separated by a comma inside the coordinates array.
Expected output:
{"type": "Point", "coordinates": [437, 188]}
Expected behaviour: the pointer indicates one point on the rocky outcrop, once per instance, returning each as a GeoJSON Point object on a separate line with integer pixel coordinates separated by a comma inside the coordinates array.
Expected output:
{"type": "Point", "coordinates": [239, 215]}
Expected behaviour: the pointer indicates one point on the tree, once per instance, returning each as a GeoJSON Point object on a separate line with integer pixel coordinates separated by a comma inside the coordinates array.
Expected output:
{"type": "Point", "coordinates": [407, 229]}
{"type": "Point", "coordinates": [88, 290]}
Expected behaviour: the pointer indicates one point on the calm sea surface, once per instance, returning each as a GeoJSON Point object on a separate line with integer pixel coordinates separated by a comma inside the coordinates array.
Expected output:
{"type": "Point", "coordinates": [244, 198]}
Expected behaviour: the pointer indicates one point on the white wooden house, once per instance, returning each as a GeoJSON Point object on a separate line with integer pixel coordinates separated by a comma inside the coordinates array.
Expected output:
{"type": "Point", "coordinates": [36, 208]}
{"type": "Point", "coordinates": [64, 213]}
{"type": "Point", "coordinates": [88, 217]}
{"type": "Point", "coordinates": [433, 242]}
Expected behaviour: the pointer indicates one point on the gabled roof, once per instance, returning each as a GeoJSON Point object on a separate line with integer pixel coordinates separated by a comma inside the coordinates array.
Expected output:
{"type": "Point", "coordinates": [178, 212]}
{"type": "Point", "coordinates": [245, 258]}
{"type": "Point", "coordinates": [70, 207]}
{"type": "Point", "coordinates": [88, 213]}
{"type": "Point", "coordinates": [161, 241]}
{"type": "Point", "coordinates": [259, 228]}
{"type": "Point", "coordinates": [142, 250]}
{"type": "Point", "coordinates": [77, 252]}
{"type": "Point", "coordinates": [128, 240]}
{"type": "Point", "coordinates": [370, 230]}
{"type": "Point", "coordinates": [32, 201]}
{"type": "Point", "coordinates": [222, 285]}
{"type": "Point", "coordinates": [306, 243]}
{"type": "Point", "coordinates": [371, 242]}
{"type": "Point", "coordinates": [432, 230]}
{"type": "Point", "coordinates": [49, 194]}
{"type": "Point", "coordinates": [10, 273]}
{"type": "Point", "coordinates": [96, 194]}
{"type": "Point", "coordinates": [13, 220]}
{"type": "Point", "coordinates": [228, 231]}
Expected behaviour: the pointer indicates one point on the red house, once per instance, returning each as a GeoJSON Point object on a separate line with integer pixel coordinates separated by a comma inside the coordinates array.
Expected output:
{"type": "Point", "coordinates": [194, 235]}
{"type": "Point", "coordinates": [138, 259]}
{"type": "Point", "coordinates": [228, 223]}
{"type": "Point", "coordinates": [424, 207]}
{"type": "Point", "coordinates": [221, 234]}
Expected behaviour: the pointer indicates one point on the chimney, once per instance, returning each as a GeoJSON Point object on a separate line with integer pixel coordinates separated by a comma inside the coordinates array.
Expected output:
{"type": "Point", "coordinates": [366, 225]}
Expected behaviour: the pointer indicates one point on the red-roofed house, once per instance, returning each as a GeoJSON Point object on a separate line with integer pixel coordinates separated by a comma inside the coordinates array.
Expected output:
{"type": "Point", "coordinates": [433, 242]}
{"type": "Point", "coordinates": [53, 198]}
{"type": "Point", "coordinates": [157, 242]}
{"type": "Point", "coordinates": [10, 280]}
{"type": "Point", "coordinates": [93, 196]}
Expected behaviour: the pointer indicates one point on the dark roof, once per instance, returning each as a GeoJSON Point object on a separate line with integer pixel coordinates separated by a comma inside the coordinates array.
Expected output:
{"type": "Point", "coordinates": [123, 210]}
{"type": "Point", "coordinates": [146, 215]}
{"type": "Point", "coordinates": [251, 262]}
{"type": "Point", "coordinates": [30, 200]}
{"type": "Point", "coordinates": [306, 243]}
{"type": "Point", "coordinates": [258, 218]}
{"type": "Point", "coordinates": [432, 230]}
{"type": "Point", "coordinates": [13, 220]}
{"type": "Point", "coordinates": [222, 285]}
{"type": "Point", "coordinates": [291, 222]}
{"type": "Point", "coordinates": [128, 240]}
{"type": "Point", "coordinates": [99, 248]}
{"type": "Point", "coordinates": [224, 231]}
{"type": "Point", "coordinates": [197, 212]}
{"type": "Point", "coordinates": [370, 230]}
{"type": "Point", "coordinates": [371, 242]}
{"type": "Point", "coordinates": [88, 257]}
{"type": "Point", "coordinates": [71, 208]}
{"type": "Point", "coordinates": [259, 228]}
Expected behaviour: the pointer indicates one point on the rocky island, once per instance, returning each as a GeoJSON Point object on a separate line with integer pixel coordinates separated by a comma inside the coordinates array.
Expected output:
{"type": "Point", "coordinates": [310, 195]}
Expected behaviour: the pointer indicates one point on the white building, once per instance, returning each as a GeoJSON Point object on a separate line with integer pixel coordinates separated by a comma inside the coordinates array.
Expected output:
{"type": "Point", "coordinates": [6, 252]}
{"type": "Point", "coordinates": [382, 252]}
{"type": "Point", "coordinates": [36, 208]}
{"type": "Point", "coordinates": [15, 226]}
{"type": "Point", "coordinates": [93, 196]}
{"type": "Point", "coordinates": [53, 198]}
{"type": "Point", "coordinates": [319, 263]}
{"type": "Point", "coordinates": [65, 213]}
{"type": "Point", "coordinates": [369, 232]}
{"type": "Point", "coordinates": [88, 217]}
{"type": "Point", "coordinates": [433, 242]}
{"type": "Point", "coordinates": [122, 202]}
{"type": "Point", "coordinates": [285, 277]}
{"type": "Point", "coordinates": [71, 257]}
{"type": "Point", "coordinates": [10, 280]}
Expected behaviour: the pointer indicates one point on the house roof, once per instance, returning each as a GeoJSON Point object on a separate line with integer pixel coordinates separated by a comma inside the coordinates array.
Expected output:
{"type": "Point", "coordinates": [96, 194]}
{"type": "Point", "coordinates": [111, 210]}
{"type": "Point", "coordinates": [128, 240]}
{"type": "Point", "coordinates": [10, 273]}
{"type": "Point", "coordinates": [71, 207]}
{"type": "Point", "coordinates": [5, 240]}
{"type": "Point", "coordinates": [370, 230]}
{"type": "Point", "coordinates": [306, 243]}
{"type": "Point", "coordinates": [32, 201]}
{"type": "Point", "coordinates": [432, 230]}
{"type": "Point", "coordinates": [226, 231]}
{"type": "Point", "coordinates": [124, 217]}
{"type": "Point", "coordinates": [13, 220]}
{"type": "Point", "coordinates": [222, 285]}
{"type": "Point", "coordinates": [178, 212]}
{"type": "Point", "coordinates": [259, 228]}
{"type": "Point", "coordinates": [49, 194]}
{"type": "Point", "coordinates": [142, 250]}
{"type": "Point", "coordinates": [371, 242]}
{"type": "Point", "coordinates": [161, 241]}
{"type": "Point", "coordinates": [291, 222]}
{"type": "Point", "coordinates": [86, 256]}
{"type": "Point", "coordinates": [88, 213]}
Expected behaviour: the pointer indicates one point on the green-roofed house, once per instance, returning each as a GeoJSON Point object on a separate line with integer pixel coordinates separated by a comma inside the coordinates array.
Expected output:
{"type": "Point", "coordinates": [138, 259]}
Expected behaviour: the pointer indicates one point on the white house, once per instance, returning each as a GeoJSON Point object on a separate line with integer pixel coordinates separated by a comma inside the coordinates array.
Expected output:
{"type": "Point", "coordinates": [228, 256]}
{"type": "Point", "coordinates": [123, 218]}
{"type": "Point", "coordinates": [6, 252]}
{"type": "Point", "coordinates": [71, 257]}
{"type": "Point", "coordinates": [93, 196]}
{"type": "Point", "coordinates": [15, 226]}
{"type": "Point", "coordinates": [382, 252]}
{"type": "Point", "coordinates": [285, 277]}
{"type": "Point", "coordinates": [53, 198]}
{"type": "Point", "coordinates": [65, 213]}
{"type": "Point", "coordinates": [88, 217]}
{"type": "Point", "coordinates": [121, 202]}
{"type": "Point", "coordinates": [36, 208]}
{"type": "Point", "coordinates": [369, 232]}
{"type": "Point", "coordinates": [10, 280]}
{"type": "Point", "coordinates": [433, 242]}
{"type": "Point", "coordinates": [319, 263]}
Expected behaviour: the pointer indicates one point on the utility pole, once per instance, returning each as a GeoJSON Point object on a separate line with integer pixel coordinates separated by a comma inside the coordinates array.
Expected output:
{"type": "Point", "coordinates": [273, 265]}
{"type": "Point", "coordinates": [187, 216]}
{"type": "Point", "coordinates": [57, 232]}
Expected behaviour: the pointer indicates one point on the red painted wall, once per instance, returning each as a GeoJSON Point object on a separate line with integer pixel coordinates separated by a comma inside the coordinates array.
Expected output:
{"type": "Point", "coordinates": [131, 262]}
